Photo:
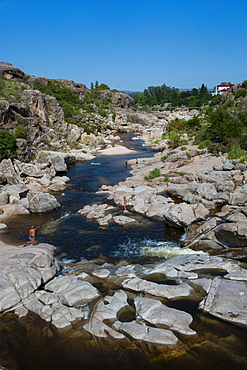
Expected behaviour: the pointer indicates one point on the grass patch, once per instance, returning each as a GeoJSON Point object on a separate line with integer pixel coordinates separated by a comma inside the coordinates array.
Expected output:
{"type": "Point", "coordinates": [154, 173]}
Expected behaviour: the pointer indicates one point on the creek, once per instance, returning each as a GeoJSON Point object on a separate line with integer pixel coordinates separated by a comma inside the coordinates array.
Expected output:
{"type": "Point", "coordinates": [78, 238]}
{"type": "Point", "coordinates": [30, 344]}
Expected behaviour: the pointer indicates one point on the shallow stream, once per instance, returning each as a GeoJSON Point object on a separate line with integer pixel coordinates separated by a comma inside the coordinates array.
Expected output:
{"type": "Point", "coordinates": [78, 238]}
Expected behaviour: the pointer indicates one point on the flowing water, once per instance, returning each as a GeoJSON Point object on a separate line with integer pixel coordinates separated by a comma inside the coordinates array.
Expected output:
{"type": "Point", "coordinates": [78, 238]}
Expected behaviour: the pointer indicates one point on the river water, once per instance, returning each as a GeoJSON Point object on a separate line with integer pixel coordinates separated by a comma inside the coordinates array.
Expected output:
{"type": "Point", "coordinates": [29, 344]}
{"type": "Point", "coordinates": [78, 238]}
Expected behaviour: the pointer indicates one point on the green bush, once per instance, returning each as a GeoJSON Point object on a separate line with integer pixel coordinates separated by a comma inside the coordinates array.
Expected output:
{"type": "Point", "coordinates": [7, 144]}
{"type": "Point", "coordinates": [174, 139]}
{"type": "Point", "coordinates": [167, 179]}
{"type": "Point", "coordinates": [205, 144]}
{"type": "Point", "coordinates": [154, 173]}
{"type": "Point", "coordinates": [164, 158]}
{"type": "Point", "coordinates": [223, 126]}
{"type": "Point", "coordinates": [228, 103]}
{"type": "Point", "coordinates": [241, 93]}
{"type": "Point", "coordinates": [236, 152]}
{"type": "Point", "coordinates": [194, 123]}
{"type": "Point", "coordinates": [21, 132]}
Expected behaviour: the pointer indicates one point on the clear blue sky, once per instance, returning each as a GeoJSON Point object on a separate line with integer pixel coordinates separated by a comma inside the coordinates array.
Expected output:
{"type": "Point", "coordinates": [129, 45]}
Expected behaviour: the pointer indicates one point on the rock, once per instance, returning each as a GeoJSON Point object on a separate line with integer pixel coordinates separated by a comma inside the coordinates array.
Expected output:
{"type": "Point", "coordinates": [182, 215]}
{"type": "Point", "coordinates": [153, 312]}
{"type": "Point", "coordinates": [237, 198]}
{"type": "Point", "coordinates": [144, 333]}
{"type": "Point", "coordinates": [123, 220]}
{"type": "Point", "coordinates": [19, 190]}
{"type": "Point", "coordinates": [43, 106]}
{"type": "Point", "coordinates": [171, 292]}
{"type": "Point", "coordinates": [9, 172]}
{"type": "Point", "coordinates": [24, 272]}
{"type": "Point", "coordinates": [42, 202]}
{"type": "Point", "coordinates": [72, 291]}
{"type": "Point", "coordinates": [233, 235]}
{"type": "Point", "coordinates": [226, 300]}
{"type": "Point", "coordinates": [4, 198]}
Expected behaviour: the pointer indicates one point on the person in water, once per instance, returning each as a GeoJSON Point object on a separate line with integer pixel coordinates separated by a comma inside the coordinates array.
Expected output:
{"type": "Point", "coordinates": [125, 204]}
{"type": "Point", "coordinates": [32, 234]}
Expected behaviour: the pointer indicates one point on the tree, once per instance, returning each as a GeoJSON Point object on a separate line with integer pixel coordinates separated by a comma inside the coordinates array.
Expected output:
{"type": "Point", "coordinates": [203, 91]}
{"type": "Point", "coordinates": [223, 126]}
{"type": "Point", "coordinates": [103, 87]}
{"type": "Point", "coordinates": [96, 84]}
{"type": "Point", "coordinates": [92, 86]}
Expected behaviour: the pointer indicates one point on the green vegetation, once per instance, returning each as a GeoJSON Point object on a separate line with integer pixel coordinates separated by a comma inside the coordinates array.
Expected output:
{"type": "Point", "coordinates": [167, 179]}
{"type": "Point", "coordinates": [10, 90]}
{"type": "Point", "coordinates": [236, 152]}
{"type": "Point", "coordinates": [160, 95]}
{"type": "Point", "coordinates": [72, 105]}
{"type": "Point", "coordinates": [7, 145]}
{"type": "Point", "coordinates": [154, 173]}
{"type": "Point", "coordinates": [21, 132]}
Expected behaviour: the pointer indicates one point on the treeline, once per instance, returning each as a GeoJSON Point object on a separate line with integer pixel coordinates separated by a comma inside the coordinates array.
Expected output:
{"type": "Point", "coordinates": [161, 95]}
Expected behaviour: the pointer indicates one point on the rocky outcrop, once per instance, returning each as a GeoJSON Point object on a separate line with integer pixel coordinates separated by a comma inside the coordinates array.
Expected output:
{"type": "Point", "coordinates": [136, 310]}
{"type": "Point", "coordinates": [10, 72]}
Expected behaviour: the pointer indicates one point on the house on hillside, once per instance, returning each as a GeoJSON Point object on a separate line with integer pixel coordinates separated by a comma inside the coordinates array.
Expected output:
{"type": "Point", "coordinates": [223, 87]}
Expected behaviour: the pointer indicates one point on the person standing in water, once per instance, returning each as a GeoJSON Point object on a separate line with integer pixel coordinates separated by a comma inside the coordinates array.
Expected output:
{"type": "Point", "coordinates": [32, 234]}
{"type": "Point", "coordinates": [125, 204]}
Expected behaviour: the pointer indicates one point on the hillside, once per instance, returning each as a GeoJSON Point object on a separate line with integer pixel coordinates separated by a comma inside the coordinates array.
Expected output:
{"type": "Point", "coordinates": [53, 114]}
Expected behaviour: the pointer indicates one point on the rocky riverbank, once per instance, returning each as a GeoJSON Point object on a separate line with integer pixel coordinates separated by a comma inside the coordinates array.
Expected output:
{"type": "Point", "coordinates": [133, 305]}
{"type": "Point", "coordinates": [153, 308]}
{"type": "Point", "coordinates": [195, 191]}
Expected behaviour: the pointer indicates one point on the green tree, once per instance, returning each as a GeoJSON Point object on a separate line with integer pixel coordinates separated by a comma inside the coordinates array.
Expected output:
{"type": "Point", "coordinates": [92, 86]}
{"type": "Point", "coordinates": [103, 87]}
{"type": "Point", "coordinates": [96, 84]}
{"type": "Point", "coordinates": [203, 90]}
{"type": "Point", "coordinates": [223, 126]}
{"type": "Point", "coordinates": [245, 84]}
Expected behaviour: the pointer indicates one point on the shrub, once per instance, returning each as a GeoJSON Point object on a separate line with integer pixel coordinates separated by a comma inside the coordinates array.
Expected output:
{"type": "Point", "coordinates": [228, 103]}
{"type": "Point", "coordinates": [236, 152]}
{"type": "Point", "coordinates": [167, 179]}
{"type": "Point", "coordinates": [184, 142]}
{"type": "Point", "coordinates": [205, 144]}
{"type": "Point", "coordinates": [21, 132]}
{"type": "Point", "coordinates": [154, 173]}
{"type": "Point", "coordinates": [164, 158]}
{"type": "Point", "coordinates": [7, 144]}
{"type": "Point", "coordinates": [194, 123]}
{"type": "Point", "coordinates": [241, 93]}
{"type": "Point", "coordinates": [223, 126]}
{"type": "Point", "coordinates": [183, 148]}
{"type": "Point", "coordinates": [174, 139]}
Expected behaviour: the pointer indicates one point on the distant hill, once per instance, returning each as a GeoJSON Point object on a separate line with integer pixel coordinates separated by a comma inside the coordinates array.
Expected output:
{"type": "Point", "coordinates": [132, 93]}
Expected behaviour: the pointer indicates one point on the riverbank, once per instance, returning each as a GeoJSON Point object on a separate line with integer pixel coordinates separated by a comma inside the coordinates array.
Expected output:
{"type": "Point", "coordinates": [92, 306]}
{"type": "Point", "coordinates": [162, 311]}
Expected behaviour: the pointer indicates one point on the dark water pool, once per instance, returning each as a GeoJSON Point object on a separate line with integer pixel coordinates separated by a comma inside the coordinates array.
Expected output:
{"type": "Point", "coordinates": [79, 238]}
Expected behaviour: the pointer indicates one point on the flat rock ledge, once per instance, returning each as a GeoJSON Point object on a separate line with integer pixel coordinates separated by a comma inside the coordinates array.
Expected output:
{"type": "Point", "coordinates": [66, 299]}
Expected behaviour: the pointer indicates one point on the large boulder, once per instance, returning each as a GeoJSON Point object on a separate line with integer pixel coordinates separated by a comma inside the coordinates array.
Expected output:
{"type": "Point", "coordinates": [41, 202]}
{"type": "Point", "coordinates": [10, 173]}
{"type": "Point", "coordinates": [182, 215]}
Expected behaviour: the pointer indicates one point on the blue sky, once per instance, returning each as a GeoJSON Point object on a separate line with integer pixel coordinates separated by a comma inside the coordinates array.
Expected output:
{"type": "Point", "coordinates": [129, 45]}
